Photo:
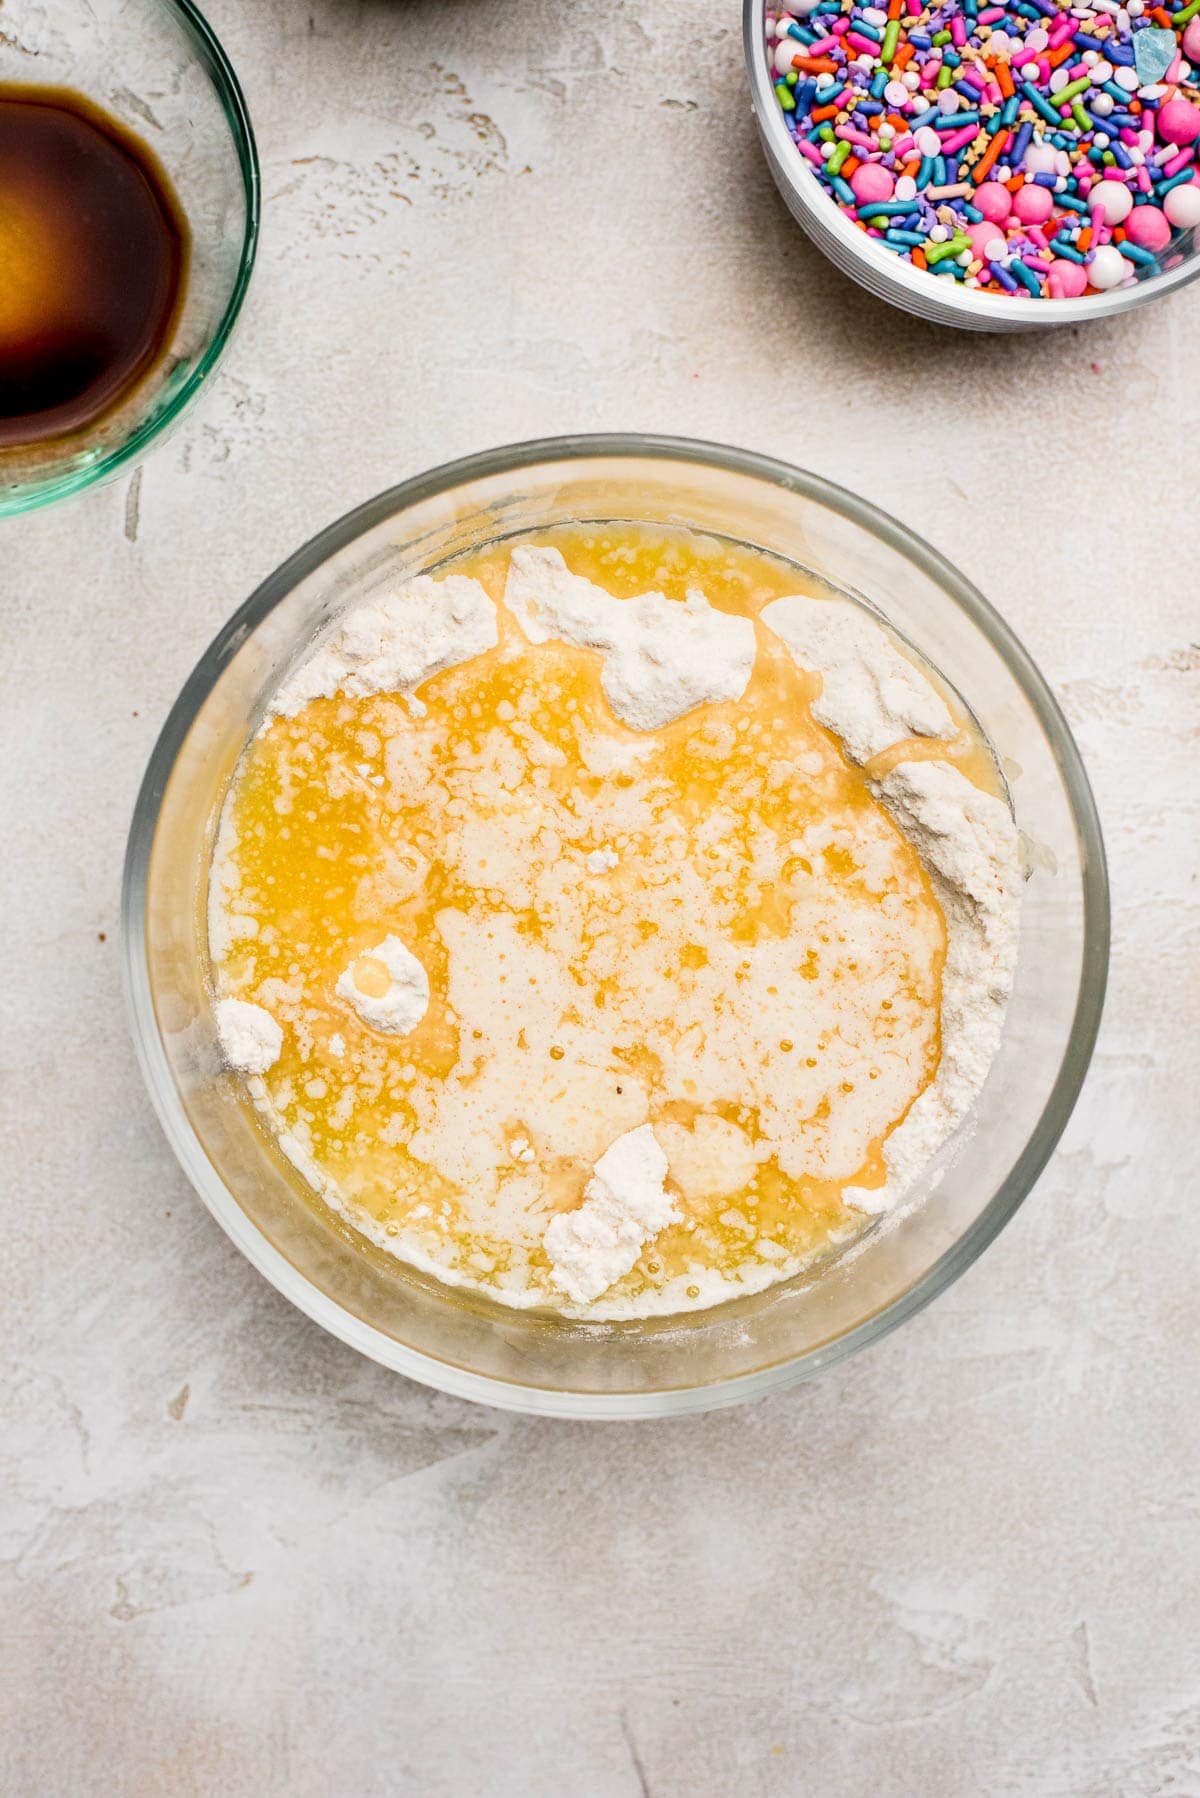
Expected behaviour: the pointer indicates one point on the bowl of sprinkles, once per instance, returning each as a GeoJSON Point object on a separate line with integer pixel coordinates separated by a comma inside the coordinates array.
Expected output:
{"type": "Point", "coordinates": [966, 161]}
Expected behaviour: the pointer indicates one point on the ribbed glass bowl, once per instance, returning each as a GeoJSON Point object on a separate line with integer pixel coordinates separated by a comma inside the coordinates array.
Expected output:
{"type": "Point", "coordinates": [892, 278]}
{"type": "Point", "coordinates": [156, 66]}
{"type": "Point", "coordinates": [525, 1360]}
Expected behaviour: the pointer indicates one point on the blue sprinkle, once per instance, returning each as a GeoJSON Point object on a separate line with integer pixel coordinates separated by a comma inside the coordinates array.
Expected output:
{"type": "Point", "coordinates": [1164, 187]}
{"type": "Point", "coordinates": [1154, 50]}
{"type": "Point", "coordinates": [1040, 104]}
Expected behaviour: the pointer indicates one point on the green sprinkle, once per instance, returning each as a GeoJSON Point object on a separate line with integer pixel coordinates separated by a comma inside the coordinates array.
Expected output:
{"type": "Point", "coordinates": [941, 37]}
{"type": "Point", "coordinates": [891, 38]}
{"type": "Point", "coordinates": [837, 159]}
{"type": "Point", "coordinates": [1080, 117]}
{"type": "Point", "coordinates": [945, 76]}
{"type": "Point", "coordinates": [937, 252]}
{"type": "Point", "coordinates": [1189, 12]}
{"type": "Point", "coordinates": [785, 96]}
{"type": "Point", "coordinates": [1065, 95]}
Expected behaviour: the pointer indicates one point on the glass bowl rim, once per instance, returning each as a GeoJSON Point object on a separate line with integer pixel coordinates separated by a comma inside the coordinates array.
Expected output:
{"type": "Point", "coordinates": [212, 56]}
{"type": "Point", "coordinates": [888, 277]}
{"type": "Point", "coordinates": [564, 1402]}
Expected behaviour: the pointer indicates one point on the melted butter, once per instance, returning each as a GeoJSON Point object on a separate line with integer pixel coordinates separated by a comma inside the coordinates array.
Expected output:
{"type": "Point", "coordinates": [767, 951]}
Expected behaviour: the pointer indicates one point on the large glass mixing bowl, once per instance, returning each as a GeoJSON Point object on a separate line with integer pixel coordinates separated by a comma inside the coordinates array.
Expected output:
{"type": "Point", "coordinates": [463, 1342]}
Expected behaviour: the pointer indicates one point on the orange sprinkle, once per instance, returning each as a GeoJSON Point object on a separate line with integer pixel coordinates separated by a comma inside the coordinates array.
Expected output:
{"type": "Point", "coordinates": [1083, 242]}
{"type": "Point", "coordinates": [824, 112]}
{"type": "Point", "coordinates": [902, 58]}
{"type": "Point", "coordinates": [991, 155]}
{"type": "Point", "coordinates": [898, 123]}
{"type": "Point", "coordinates": [1003, 77]}
{"type": "Point", "coordinates": [912, 168]}
{"type": "Point", "coordinates": [1015, 183]}
{"type": "Point", "coordinates": [815, 65]}
{"type": "Point", "coordinates": [918, 258]}
{"type": "Point", "coordinates": [1062, 54]}
{"type": "Point", "coordinates": [894, 7]}
{"type": "Point", "coordinates": [1162, 15]}
{"type": "Point", "coordinates": [848, 167]}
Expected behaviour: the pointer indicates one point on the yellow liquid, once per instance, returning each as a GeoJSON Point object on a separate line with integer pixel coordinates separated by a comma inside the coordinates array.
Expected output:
{"type": "Point", "coordinates": [758, 976]}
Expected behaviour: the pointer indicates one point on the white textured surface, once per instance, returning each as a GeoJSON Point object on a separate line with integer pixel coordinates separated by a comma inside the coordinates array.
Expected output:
{"type": "Point", "coordinates": [236, 1558]}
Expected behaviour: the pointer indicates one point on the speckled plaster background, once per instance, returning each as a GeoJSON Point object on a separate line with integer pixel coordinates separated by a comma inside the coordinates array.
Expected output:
{"type": "Point", "coordinates": [235, 1558]}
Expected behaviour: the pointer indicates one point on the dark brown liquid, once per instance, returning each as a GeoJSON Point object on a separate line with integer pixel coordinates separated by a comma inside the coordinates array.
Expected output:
{"type": "Point", "coordinates": [93, 249]}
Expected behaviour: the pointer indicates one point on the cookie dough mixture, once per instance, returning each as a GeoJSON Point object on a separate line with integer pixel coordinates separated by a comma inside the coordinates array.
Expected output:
{"type": "Point", "coordinates": [613, 923]}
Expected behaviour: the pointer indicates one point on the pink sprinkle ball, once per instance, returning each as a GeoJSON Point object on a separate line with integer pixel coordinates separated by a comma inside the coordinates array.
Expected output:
{"type": "Point", "coordinates": [1033, 205]}
{"type": "Point", "coordinates": [1191, 41]}
{"type": "Point", "coordinates": [872, 182]}
{"type": "Point", "coordinates": [994, 201]}
{"type": "Point", "coordinates": [1182, 207]}
{"type": "Point", "coordinates": [1147, 227]}
{"type": "Point", "coordinates": [1066, 281]}
{"type": "Point", "coordinates": [1179, 122]}
{"type": "Point", "coordinates": [987, 241]}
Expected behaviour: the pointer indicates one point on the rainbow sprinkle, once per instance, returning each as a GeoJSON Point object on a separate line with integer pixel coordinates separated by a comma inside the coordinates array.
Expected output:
{"type": "Point", "coordinates": [1033, 149]}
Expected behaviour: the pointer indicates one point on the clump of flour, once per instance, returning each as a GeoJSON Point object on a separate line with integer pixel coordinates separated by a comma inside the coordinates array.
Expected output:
{"type": "Point", "coordinates": [624, 1205]}
{"type": "Point", "coordinates": [250, 1037]}
{"type": "Point", "coordinates": [404, 1000]}
{"type": "Point", "coordinates": [968, 842]}
{"type": "Point", "coordinates": [391, 645]}
{"type": "Point", "coordinates": [871, 696]}
{"type": "Point", "coordinates": [661, 658]}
